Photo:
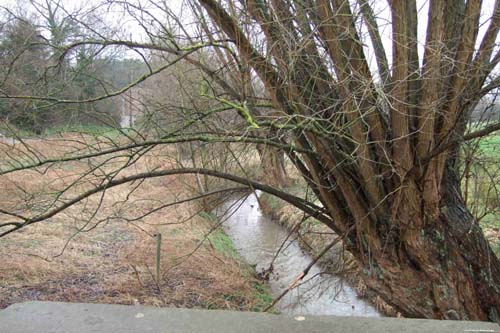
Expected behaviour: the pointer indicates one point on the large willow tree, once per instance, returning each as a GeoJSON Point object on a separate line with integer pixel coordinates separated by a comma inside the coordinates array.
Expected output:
{"type": "Point", "coordinates": [386, 138]}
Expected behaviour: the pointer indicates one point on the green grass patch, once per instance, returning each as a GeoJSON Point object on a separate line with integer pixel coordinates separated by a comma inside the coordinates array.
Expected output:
{"type": "Point", "coordinates": [223, 244]}
{"type": "Point", "coordinates": [490, 147]}
{"type": "Point", "coordinates": [220, 241]}
{"type": "Point", "coordinates": [211, 217]}
{"type": "Point", "coordinates": [93, 130]}
{"type": "Point", "coordinates": [264, 298]}
{"type": "Point", "coordinates": [11, 131]}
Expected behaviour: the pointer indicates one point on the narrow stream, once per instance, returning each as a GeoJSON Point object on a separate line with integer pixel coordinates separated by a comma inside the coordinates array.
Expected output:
{"type": "Point", "coordinates": [257, 238]}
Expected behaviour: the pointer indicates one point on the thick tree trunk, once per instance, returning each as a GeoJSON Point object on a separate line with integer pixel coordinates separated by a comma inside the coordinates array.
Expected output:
{"type": "Point", "coordinates": [374, 168]}
{"type": "Point", "coordinates": [446, 270]}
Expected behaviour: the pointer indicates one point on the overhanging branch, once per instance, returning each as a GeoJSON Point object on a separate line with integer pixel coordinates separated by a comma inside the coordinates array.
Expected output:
{"type": "Point", "coordinates": [306, 206]}
{"type": "Point", "coordinates": [176, 139]}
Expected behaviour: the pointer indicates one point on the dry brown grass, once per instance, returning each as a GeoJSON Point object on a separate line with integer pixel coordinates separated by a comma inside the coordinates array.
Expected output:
{"type": "Point", "coordinates": [111, 258]}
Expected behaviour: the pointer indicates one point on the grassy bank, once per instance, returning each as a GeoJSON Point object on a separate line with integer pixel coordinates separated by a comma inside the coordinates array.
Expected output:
{"type": "Point", "coordinates": [103, 250]}
{"type": "Point", "coordinates": [224, 246]}
{"type": "Point", "coordinates": [97, 131]}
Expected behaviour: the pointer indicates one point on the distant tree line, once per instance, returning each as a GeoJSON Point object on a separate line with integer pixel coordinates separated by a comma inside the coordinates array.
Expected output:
{"type": "Point", "coordinates": [31, 46]}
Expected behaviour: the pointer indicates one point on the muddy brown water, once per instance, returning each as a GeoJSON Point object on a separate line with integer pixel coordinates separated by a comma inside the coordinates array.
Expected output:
{"type": "Point", "coordinates": [257, 238]}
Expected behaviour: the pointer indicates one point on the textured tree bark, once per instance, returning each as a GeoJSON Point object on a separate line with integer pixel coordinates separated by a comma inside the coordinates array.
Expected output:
{"type": "Point", "coordinates": [382, 167]}
{"type": "Point", "coordinates": [446, 270]}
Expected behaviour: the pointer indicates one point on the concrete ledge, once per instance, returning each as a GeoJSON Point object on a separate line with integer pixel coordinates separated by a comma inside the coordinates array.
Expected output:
{"type": "Point", "coordinates": [54, 317]}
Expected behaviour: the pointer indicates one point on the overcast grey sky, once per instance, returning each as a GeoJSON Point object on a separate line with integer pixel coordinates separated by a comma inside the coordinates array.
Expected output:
{"type": "Point", "coordinates": [130, 27]}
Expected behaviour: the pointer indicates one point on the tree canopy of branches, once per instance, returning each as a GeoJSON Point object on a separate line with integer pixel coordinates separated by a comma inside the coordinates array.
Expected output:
{"type": "Point", "coordinates": [373, 124]}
